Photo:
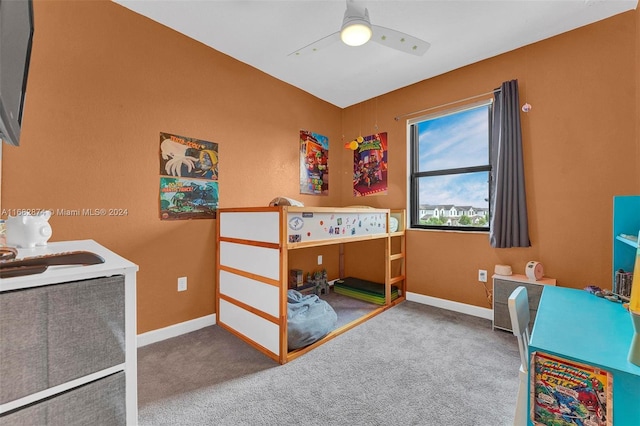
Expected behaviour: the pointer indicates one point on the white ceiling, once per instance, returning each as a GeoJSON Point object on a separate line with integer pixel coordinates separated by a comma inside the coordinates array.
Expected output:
{"type": "Point", "coordinates": [262, 33]}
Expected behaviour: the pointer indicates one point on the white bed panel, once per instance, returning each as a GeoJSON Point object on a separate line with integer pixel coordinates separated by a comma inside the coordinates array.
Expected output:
{"type": "Point", "coordinates": [319, 226]}
{"type": "Point", "coordinates": [259, 295]}
{"type": "Point", "coordinates": [254, 226]}
{"type": "Point", "coordinates": [256, 328]}
{"type": "Point", "coordinates": [253, 259]}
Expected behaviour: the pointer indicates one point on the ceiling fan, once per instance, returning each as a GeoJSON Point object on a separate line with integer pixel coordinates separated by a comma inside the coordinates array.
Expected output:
{"type": "Point", "coordinates": [357, 30]}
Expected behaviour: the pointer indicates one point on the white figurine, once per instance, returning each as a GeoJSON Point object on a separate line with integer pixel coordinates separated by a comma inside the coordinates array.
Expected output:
{"type": "Point", "coordinates": [28, 231]}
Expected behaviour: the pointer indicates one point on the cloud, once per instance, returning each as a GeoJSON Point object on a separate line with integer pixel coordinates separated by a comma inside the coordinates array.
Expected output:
{"type": "Point", "coordinates": [452, 141]}
{"type": "Point", "coordinates": [455, 140]}
{"type": "Point", "coordinates": [470, 189]}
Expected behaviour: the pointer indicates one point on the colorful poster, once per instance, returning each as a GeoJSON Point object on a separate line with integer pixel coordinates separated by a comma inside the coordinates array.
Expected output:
{"type": "Point", "coordinates": [314, 158]}
{"type": "Point", "coordinates": [182, 198]}
{"type": "Point", "coordinates": [187, 157]}
{"type": "Point", "coordinates": [567, 393]}
{"type": "Point", "coordinates": [189, 175]}
{"type": "Point", "coordinates": [370, 166]}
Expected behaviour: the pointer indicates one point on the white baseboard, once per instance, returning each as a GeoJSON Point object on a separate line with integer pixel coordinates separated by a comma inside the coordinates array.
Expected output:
{"type": "Point", "coordinates": [450, 305]}
{"type": "Point", "coordinates": [175, 330]}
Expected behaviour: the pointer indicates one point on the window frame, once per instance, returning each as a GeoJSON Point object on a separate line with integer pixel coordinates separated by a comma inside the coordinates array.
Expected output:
{"type": "Point", "coordinates": [414, 175]}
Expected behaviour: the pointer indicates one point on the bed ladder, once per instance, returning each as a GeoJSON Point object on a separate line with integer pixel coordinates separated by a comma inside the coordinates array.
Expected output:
{"type": "Point", "coordinates": [395, 256]}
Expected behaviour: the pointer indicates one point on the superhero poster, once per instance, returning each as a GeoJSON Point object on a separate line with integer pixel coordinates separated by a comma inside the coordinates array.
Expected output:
{"type": "Point", "coordinates": [370, 166]}
{"type": "Point", "coordinates": [314, 158]}
{"type": "Point", "coordinates": [182, 198]}
{"type": "Point", "coordinates": [189, 175]}
{"type": "Point", "coordinates": [567, 393]}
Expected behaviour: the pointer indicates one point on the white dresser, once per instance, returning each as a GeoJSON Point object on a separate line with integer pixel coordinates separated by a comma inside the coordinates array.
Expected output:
{"type": "Point", "coordinates": [68, 342]}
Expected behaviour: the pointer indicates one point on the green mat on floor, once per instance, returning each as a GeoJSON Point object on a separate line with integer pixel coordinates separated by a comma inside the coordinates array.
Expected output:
{"type": "Point", "coordinates": [363, 290]}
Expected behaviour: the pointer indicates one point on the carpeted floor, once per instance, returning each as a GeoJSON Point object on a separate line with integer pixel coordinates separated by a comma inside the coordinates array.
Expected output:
{"type": "Point", "coordinates": [348, 308]}
{"type": "Point", "coordinates": [411, 365]}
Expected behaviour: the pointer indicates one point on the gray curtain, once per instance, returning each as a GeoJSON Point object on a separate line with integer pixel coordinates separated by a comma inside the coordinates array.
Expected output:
{"type": "Point", "coordinates": [509, 227]}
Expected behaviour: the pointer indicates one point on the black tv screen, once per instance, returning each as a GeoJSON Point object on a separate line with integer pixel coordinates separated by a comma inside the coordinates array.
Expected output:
{"type": "Point", "coordinates": [16, 37]}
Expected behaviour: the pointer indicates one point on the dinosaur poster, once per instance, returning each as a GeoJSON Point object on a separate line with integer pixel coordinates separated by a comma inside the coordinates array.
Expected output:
{"type": "Point", "coordinates": [189, 178]}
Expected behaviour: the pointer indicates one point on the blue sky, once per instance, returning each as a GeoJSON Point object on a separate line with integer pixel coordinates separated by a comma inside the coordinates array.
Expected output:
{"type": "Point", "coordinates": [456, 140]}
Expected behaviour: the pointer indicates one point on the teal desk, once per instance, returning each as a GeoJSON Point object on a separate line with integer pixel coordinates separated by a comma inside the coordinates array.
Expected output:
{"type": "Point", "coordinates": [579, 326]}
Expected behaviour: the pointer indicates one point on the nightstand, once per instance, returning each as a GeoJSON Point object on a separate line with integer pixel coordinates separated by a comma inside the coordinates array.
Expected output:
{"type": "Point", "coordinates": [503, 286]}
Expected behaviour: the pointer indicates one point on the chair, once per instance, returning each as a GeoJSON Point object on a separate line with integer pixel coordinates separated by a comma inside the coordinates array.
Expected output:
{"type": "Point", "coordinates": [519, 312]}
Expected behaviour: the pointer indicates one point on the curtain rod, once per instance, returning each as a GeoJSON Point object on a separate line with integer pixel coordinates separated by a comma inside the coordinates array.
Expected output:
{"type": "Point", "coordinates": [397, 118]}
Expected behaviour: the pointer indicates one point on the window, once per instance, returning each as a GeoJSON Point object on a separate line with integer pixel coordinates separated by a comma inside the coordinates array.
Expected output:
{"type": "Point", "coordinates": [450, 169]}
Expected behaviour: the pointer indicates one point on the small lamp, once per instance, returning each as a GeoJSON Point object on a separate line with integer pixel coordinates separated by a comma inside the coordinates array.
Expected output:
{"type": "Point", "coordinates": [356, 27]}
{"type": "Point", "coordinates": [634, 310]}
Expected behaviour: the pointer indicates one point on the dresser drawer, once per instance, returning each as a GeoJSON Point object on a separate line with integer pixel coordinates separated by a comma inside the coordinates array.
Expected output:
{"type": "Point", "coordinates": [502, 289]}
{"type": "Point", "coordinates": [86, 328]}
{"type": "Point", "coordinates": [502, 318]}
{"type": "Point", "coordinates": [101, 402]}
{"type": "Point", "coordinates": [53, 334]}
{"type": "Point", "coordinates": [23, 343]}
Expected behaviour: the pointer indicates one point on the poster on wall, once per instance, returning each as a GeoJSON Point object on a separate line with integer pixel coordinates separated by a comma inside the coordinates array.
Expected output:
{"type": "Point", "coordinates": [182, 198]}
{"type": "Point", "coordinates": [189, 178]}
{"type": "Point", "coordinates": [314, 157]}
{"type": "Point", "coordinates": [188, 157]}
{"type": "Point", "coordinates": [370, 166]}
{"type": "Point", "coordinates": [565, 392]}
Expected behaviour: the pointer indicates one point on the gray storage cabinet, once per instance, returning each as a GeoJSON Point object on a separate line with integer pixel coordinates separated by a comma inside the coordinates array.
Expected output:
{"type": "Point", "coordinates": [65, 352]}
{"type": "Point", "coordinates": [503, 286]}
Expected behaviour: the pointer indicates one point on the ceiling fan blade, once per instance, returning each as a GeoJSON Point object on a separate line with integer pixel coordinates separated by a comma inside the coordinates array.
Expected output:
{"type": "Point", "coordinates": [317, 45]}
{"type": "Point", "coordinates": [399, 40]}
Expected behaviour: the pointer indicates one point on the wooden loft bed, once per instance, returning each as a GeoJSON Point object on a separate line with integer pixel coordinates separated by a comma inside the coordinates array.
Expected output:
{"type": "Point", "coordinates": [253, 247]}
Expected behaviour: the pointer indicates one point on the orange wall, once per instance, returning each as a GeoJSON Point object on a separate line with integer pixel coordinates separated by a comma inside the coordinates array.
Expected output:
{"type": "Point", "coordinates": [104, 82]}
{"type": "Point", "coordinates": [580, 149]}
{"type": "Point", "coordinates": [637, 38]}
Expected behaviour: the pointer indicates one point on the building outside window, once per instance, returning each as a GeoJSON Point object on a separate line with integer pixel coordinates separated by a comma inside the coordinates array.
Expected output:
{"type": "Point", "coordinates": [450, 169]}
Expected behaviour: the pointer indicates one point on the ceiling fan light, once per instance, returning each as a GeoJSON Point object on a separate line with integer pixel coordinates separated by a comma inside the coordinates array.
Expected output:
{"type": "Point", "coordinates": [356, 33]}
{"type": "Point", "coordinates": [356, 26]}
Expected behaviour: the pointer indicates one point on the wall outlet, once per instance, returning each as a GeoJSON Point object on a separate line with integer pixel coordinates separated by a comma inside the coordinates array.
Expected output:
{"type": "Point", "coordinates": [182, 283]}
{"type": "Point", "coordinates": [482, 275]}
{"type": "Point", "coordinates": [320, 259]}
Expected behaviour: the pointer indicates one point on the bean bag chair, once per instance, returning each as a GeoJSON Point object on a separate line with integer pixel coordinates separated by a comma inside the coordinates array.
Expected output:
{"type": "Point", "coordinates": [309, 319]}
